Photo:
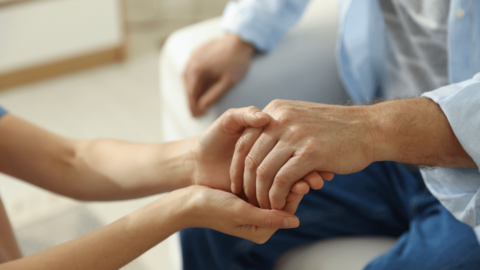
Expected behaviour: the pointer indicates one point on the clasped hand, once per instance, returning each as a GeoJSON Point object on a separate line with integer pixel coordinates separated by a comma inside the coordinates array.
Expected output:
{"type": "Point", "coordinates": [272, 158]}
{"type": "Point", "coordinates": [210, 159]}
{"type": "Point", "coordinates": [302, 141]}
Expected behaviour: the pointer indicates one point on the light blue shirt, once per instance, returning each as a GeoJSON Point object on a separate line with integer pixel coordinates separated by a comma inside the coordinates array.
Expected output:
{"type": "Point", "coordinates": [362, 53]}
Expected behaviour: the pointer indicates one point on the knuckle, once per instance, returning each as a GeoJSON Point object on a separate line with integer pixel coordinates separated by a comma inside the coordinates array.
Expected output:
{"type": "Point", "coordinates": [252, 109]}
{"type": "Point", "coordinates": [281, 180]}
{"type": "Point", "coordinates": [262, 173]}
{"type": "Point", "coordinates": [308, 153]}
{"type": "Point", "coordinates": [229, 113]}
{"type": "Point", "coordinates": [240, 145]}
{"type": "Point", "coordinates": [250, 164]}
{"type": "Point", "coordinates": [269, 222]}
{"type": "Point", "coordinates": [290, 136]}
{"type": "Point", "coordinates": [277, 102]}
{"type": "Point", "coordinates": [273, 104]}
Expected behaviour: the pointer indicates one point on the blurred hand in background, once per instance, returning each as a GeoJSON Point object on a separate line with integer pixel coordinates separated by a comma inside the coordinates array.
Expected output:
{"type": "Point", "coordinates": [213, 69]}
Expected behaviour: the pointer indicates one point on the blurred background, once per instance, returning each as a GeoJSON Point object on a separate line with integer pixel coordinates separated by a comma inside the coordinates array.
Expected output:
{"type": "Point", "coordinates": [86, 69]}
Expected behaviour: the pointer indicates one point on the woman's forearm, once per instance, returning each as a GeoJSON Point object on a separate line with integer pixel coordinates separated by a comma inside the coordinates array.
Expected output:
{"type": "Point", "coordinates": [113, 246]}
{"type": "Point", "coordinates": [108, 169]}
{"type": "Point", "coordinates": [102, 169]}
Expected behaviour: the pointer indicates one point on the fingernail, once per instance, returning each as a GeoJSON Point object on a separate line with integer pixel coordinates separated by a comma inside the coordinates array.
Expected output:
{"type": "Point", "coordinates": [290, 222]}
{"type": "Point", "coordinates": [259, 114]}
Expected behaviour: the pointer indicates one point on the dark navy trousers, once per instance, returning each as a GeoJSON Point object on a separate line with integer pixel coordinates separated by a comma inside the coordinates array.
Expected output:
{"type": "Point", "coordinates": [385, 199]}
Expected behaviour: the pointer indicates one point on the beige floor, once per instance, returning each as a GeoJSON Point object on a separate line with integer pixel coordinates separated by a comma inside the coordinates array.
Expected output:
{"type": "Point", "coordinates": [117, 100]}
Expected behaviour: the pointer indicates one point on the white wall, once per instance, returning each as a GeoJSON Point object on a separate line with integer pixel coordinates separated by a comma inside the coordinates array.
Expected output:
{"type": "Point", "coordinates": [44, 31]}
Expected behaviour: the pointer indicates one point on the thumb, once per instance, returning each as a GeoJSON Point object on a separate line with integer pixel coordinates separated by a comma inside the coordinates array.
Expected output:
{"type": "Point", "coordinates": [271, 219]}
{"type": "Point", "coordinates": [326, 175]}
{"type": "Point", "coordinates": [195, 86]}
{"type": "Point", "coordinates": [236, 120]}
{"type": "Point", "coordinates": [214, 93]}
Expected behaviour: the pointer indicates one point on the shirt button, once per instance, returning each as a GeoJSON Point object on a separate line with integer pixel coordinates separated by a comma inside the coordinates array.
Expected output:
{"type": "Point", "coordinates": [460, 13]}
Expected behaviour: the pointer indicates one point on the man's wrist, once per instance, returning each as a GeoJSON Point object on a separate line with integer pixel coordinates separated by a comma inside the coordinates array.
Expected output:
{"type": "Point", "coordinates": [381, 130]}
{"type": "Point", "coordinates": [415, 131]}
{"type": "Point", "coordinates": [240, 43]}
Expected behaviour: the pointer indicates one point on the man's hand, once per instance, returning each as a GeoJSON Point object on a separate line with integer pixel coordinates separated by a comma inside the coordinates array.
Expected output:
{"type": "Point", "coordinates": [212, 152]}
{"type": "Point", "coordinates": [213, 68]}
{"type": "Point", "coordinates": [301, 139]}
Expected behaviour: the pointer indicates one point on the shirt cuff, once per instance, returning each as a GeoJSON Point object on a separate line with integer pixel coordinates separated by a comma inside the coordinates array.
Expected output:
{"type": "Point", "coordinates": [459, 189]}
{"type": "Point", "coordinates": [251, 27]}
{"type": "Point", "coordinates": [460, 103]}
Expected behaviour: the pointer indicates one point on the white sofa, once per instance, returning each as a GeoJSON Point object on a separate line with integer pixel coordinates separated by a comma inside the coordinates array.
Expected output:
{"type": "Point", "coordinates": [302, 67]}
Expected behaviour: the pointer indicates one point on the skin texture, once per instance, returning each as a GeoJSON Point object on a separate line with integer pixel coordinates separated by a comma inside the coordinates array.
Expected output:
{"type": "Point", "coordinates": [213, 68]}
{"type": "Point", "coordinates": [117, 244]}
{"type": "Point", "coordinates": [304, 137]}
{"type": "Point", "coordinates": [212, 164]}
{"type": "Point", "coordinates": [107, 169]}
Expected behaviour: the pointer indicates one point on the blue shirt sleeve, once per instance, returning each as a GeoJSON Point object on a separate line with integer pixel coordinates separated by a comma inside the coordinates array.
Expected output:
{"type": "Point", "coordinates": [459, 189]}
{"type": "Point", "coordinates": [2, 111]}
{"type": "Point", "coordinates": [262, 23]}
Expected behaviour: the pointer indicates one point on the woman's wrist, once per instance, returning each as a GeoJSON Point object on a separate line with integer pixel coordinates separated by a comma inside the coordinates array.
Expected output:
{"type": "Point", "coordinates": [169, 213]}
{"type": "Point", "coordinates": [180, 206]}
{"type": "Point", "coordinates": [175, 163]}
{"type": "Point", "coordinates": [188, 161]}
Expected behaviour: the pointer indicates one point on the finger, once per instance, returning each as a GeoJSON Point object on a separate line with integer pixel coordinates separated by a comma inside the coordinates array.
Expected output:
{"type": "Point", "coordinates": [314, 180]}
{"type": "Point", "coordinates": [291, 206]}
{"type": "Point", "coordinates": [292, 197]}
{"type": "Point", "coordinates": [268, 168]}
{"type": "Point", "coordinates": [194, 84]}
{"type": "Point", "coordinates": [242, 148]}
{"type": "Point", "coordinates": [214, 93]}
{"type": "Point", "coordinates": [300, 187]}
{"type": "Point", "coordinates": [271, 219]}
{"type": "Point", "coordinates": [326, 175]}
{"type": "Point", "coordinates": [259, 151]}
{"type": "Point", "coordinates": [295, 168]}
{"type": "Point", "coordinates": [235, 121]}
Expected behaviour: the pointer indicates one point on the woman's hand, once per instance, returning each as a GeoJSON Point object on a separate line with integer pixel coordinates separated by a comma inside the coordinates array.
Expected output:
{"type": "Point", "coordinates": [227, 213]}
{"type": "Point", "coordinates": [212, 152]}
